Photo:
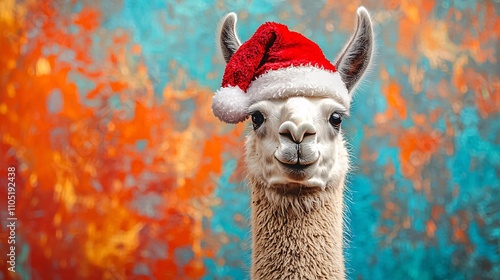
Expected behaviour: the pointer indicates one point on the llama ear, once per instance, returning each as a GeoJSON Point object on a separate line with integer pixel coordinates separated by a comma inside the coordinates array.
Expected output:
{"type": "Point", "coordinates": [357, 54]}
{"type": "Point", "coordinates": [228, 39]}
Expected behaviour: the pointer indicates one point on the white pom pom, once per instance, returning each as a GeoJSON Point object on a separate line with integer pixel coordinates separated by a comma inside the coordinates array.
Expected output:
{"type": "Point", "coordinates": [230, 104]}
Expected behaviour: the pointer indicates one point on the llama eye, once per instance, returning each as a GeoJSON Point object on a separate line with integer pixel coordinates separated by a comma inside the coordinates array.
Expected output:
{"type": "Point", "coordinates": [335, 119]}
{"type": "Point", "coordinates": [257, 119]}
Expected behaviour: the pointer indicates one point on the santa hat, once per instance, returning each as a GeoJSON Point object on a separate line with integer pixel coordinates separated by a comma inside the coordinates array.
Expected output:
{"type": "Point", "coordinates": [275, 63]}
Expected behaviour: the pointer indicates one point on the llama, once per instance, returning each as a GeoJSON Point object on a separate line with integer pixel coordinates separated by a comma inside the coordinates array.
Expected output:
{"type": "Point", "coordinates": [296, 156]}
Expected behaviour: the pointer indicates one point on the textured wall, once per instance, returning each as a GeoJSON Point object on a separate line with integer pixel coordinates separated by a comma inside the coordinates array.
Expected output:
{"type": "Point", "coordinates": [122, 171]}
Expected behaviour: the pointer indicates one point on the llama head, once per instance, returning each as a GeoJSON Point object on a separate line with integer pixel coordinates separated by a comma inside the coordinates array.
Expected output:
{"type": "Point", "coordinates": [296, 151]}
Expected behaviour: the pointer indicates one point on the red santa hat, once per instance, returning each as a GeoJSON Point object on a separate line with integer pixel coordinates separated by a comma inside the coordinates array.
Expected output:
{"type": "Point", "coordinates": [275, 63]}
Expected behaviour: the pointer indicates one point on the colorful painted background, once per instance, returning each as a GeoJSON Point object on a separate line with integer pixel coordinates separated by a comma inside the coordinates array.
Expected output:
{"type": "Point", "coordinates": [122, 171]}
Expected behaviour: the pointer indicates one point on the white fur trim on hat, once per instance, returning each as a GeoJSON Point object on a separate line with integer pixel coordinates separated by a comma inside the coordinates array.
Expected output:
{"type": "Point", "coordinates": [230, 104]}
{"type": "Point", "coordinates": [308, 81]}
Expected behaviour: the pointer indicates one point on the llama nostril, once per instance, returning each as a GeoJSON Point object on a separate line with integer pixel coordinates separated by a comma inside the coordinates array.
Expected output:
{"type": "Point", "coordinates": [309, 134]}
{"type": "Point", "coordinates": [306, 130]}
{"type": "Point", "coordinates": [288, 136]}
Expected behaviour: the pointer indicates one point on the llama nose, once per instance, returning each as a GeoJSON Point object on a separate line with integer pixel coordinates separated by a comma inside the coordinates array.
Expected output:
{"type": "Point", "coordinates": [296, 133]}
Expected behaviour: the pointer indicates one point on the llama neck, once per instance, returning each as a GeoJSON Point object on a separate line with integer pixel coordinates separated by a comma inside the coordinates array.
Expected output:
{"type": "Point", "coordinates": [291, 245]}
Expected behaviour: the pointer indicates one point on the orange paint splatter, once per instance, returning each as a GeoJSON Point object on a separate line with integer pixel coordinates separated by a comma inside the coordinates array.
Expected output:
{"type": "Point", "coordinates": [486, 92]}
{"type": "Point", "coordinates": [416, 148]}
{"type": "Point", "coordinates": [83, 168]}
{"type": "Point", "coordinates": [88, 19]}
{"type": "Point", "coordinates": [431, 228]}
{"type": "Point", "coordinates": [395, 99]}
{"type": "Point", "coordinates": [460, 225]}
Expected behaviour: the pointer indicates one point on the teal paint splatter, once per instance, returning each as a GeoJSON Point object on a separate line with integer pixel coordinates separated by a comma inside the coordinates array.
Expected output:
{"type": "Point", "coordinates": [55, 101]}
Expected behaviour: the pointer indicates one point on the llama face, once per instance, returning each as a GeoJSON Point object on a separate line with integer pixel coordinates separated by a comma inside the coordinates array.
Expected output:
{"type": "Point", "coordinates": [295, 144]}
{"type": "Point", "coordinates": [296, 151]}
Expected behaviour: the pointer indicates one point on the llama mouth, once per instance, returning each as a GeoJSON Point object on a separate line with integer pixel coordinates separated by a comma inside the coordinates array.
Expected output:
{"type": "Point", "coordinates": [296, 166]}
{"type": "Point", "coordinates": [298, 163]}
{"type": "Point", "coordinates": [297, 171]}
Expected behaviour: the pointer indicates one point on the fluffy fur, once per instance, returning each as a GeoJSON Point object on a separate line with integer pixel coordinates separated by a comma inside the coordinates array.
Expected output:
{"type": "Point", "coordinates": [296, 159]}
{"type": "Point", "coordinates": [299, 81]}
{"type": "Point", "coordinates": [290, 243]}
{"type": "Point", "coordinates": [232, 105]}
{"type": "Point", "coordinates": [297, 224]}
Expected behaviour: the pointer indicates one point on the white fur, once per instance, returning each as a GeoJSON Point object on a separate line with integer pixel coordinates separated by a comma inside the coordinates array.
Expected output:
{"type": "Point", "coordinates": [299, 81]}
{"type": "Point", "coordinates": [297, 213]}
{"type": "Point", "coordinates": [267, 148]}
{"type": "Point", "coordinates": [299, 235]}
{"type": "Point", "coordinates": [231, 104]}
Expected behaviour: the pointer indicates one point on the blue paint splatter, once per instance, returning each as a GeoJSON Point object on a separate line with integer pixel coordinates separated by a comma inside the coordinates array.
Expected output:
{"type": "Point", "coordinates": [55, 101]}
